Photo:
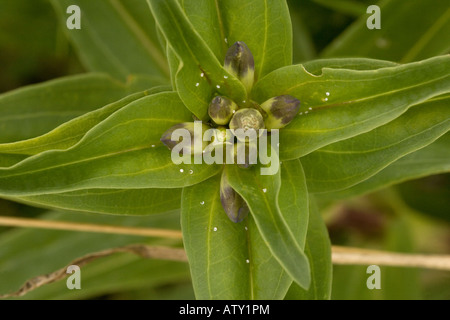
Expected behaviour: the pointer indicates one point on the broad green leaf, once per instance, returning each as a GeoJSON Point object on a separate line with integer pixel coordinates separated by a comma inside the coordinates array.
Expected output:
{"type": "Point", "coordinates": [264, 25]}
{"type": "Point", "coordinates": [262, 262]}
{"type": "Point", "coordinates": [116, 36]}
{"type": "Point", "coordinates": [69, 133]}
{"type": "Point", "coordinates": [348, 162]}
{"type": "Point", "coordinates": [293, 200]}
{"type": "Point", "coordinates": [26, 253]}
{"type": "Point", "coordinates": [207, 19]}
{"type": "Point", "coordinates": [318, 251]}
{"type": "Point", "coordinates": [410, 31]}
{"type": "Point", "coordinates": [261, 193]}
{"type": "Point", "coordinates": [227, 260]}
{"type": "Point", "coordinates": [7, 160]}
{"type": "Point", "coordinates": [216, 247]}
{"type": "Point", "coordinates": [122, 152]}
{"type": "Point", "coordinates": [341, 103]}
{"type": "Point", "coordinates": [200, 74]}
{"type": "Point", "coordinates": [110, 201]}
{"type": "Point", "coordinates": [36, 109]}
{"type": "Point", "coordinates": [430, 160]}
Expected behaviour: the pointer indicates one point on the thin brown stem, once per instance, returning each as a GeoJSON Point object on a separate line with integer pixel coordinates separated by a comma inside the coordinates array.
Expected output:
{"type": "Point", "coordinates": [340, 255]}
{"type": "Point", "coordinates": [84, 227]}
{"type": "Point", "coordinates": [356, 256]}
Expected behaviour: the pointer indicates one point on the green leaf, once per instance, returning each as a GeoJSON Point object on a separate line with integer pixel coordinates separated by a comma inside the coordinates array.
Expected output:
{"type": "Point", "coordinates": [67, 134]}
{"type": "Point", "coordinates": [430, 160]}
{"type": "Point", "coordinates": [318, 251]}
{"type": "Point", "coordinates": [110, 201]}
{"type": "Point", "coordinates": [341, 103]}
{"type": "Point", "coordinates": [7, 160]}
{"type": "Point", "coordinates": [428, 27]}
{"type": "Point", "coordinates": [36, 109]}
{"type": "Point", "coordinates": [346, 163]}
{"type": "Point", "coordinates": [265, 26]}
{"type": "Point", "coordinates": [215, 246]}
{"type": "Point", "coordinates": [200, 74]}
{"type": "Point", "coordinates": [261, 194]}
{"type": "Point", "coordinates": [292, 199]}
{"type": "Point", "coordinates": [174, 65]}
{"type": "Point", "coordinates": [206, 18]}
{"type": "Point", "coordinates": [227, 260]}
{"type": "Point", "coordinates": [26, 253]}
{"type": "Point", "coordinates": [122, 152]}
{"type": "Point", "coordinates": [116, 36]}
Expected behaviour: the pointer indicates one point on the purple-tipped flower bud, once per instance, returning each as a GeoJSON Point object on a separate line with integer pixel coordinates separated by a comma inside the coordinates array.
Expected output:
{"type": "Point", "coordinates": [221, 110]}
{"type": "Point", "coordinates": [186, 130]}
{"type": "Point", "coordinates": [235, 207]}
{"type": "Point", "coordinates": [239, 62]}
{"type": "Point", "coordinates": [280, 111]}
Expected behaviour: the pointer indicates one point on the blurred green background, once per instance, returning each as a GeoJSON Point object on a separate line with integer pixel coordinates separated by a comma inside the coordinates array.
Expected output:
{"type": "Point", "coordinates": [410, 217]}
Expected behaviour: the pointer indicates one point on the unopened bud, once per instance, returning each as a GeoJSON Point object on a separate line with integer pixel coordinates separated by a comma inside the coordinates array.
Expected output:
{"type": "Point", "coordinates": [222, 141]}
{"type": "Point", "coordinates": [186, 130]}
{"type": "Point", "coordinates": [239, 61]}
{"type": "Point", "coordinates": [247, 119]}
{"type": "Point", "coordinates": [246, 124]}
{"type": "Point", "coordinates": [235, 207]}
{"type": "Point", "coordinates": [223, 135]}
{"type": "Point", "coordinates": [280, 111]}
{"type": "Point", "coordinates": [221, 110]}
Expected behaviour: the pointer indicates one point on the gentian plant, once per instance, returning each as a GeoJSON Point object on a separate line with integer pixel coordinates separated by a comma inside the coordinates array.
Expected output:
{"type": "Point", "coordinates": [332, 128]}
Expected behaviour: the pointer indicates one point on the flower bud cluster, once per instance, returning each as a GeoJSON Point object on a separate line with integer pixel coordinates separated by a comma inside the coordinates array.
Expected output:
{"type": "Point", "coordinates": [242, 119]}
